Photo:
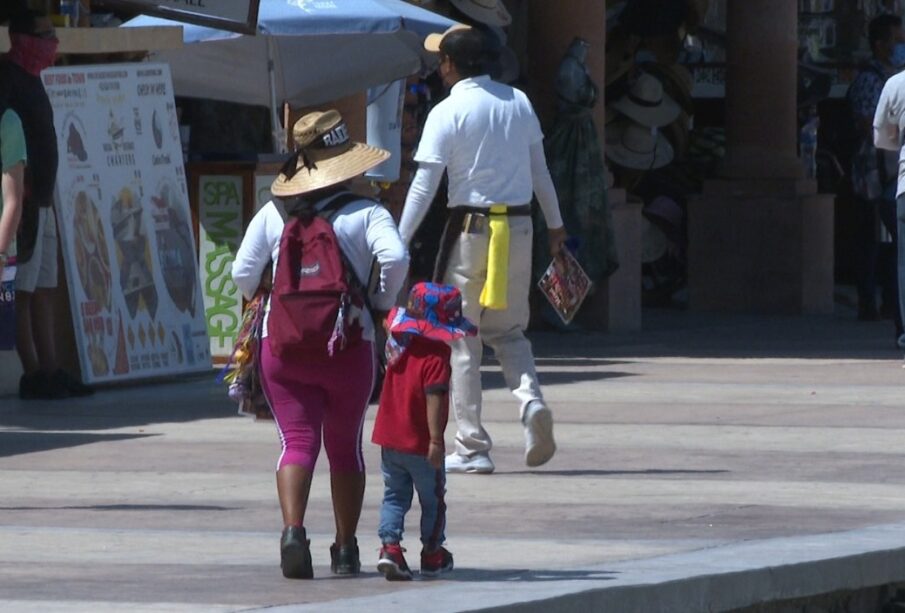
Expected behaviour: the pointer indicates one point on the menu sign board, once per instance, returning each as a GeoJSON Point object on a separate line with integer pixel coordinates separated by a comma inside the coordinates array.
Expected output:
{"type": "Point", "coordinates": [235, 15]}
{"type": "Point", "coordinates": [125, 225]}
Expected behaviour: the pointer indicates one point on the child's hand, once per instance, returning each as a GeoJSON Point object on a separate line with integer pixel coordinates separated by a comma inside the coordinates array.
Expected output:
{"type": "Point", "coordinates": [435, 455]}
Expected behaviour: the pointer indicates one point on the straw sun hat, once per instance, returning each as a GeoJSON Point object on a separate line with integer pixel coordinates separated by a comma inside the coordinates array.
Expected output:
{"type": "Point", "coordinates": [677, 82]}
{"type": "Point", "coordinates": [491, 12]}
{"type": "Point", "coordinates": [432, 42]}
{"type": "Point", "coordinates": [324, 155]}
{"type": "Point", "coordinates": [632, 145]}
{"type": "Point", "coordinates": [647, 104]}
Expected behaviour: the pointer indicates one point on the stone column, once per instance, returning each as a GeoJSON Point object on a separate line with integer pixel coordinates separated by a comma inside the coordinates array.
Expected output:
{"type": "Point", "coordinates": [761, 85]}
{"type": "Point", "coordinates": [617, 303]}
{"type": "Point", "coordinates": [760, 237]}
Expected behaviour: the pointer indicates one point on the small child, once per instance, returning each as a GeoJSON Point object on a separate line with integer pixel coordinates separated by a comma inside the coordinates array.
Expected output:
{"type": "Point", "coordinates": [414, 408]}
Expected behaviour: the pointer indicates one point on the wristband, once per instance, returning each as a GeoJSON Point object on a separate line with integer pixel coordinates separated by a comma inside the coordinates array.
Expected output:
{"type": "Point", "coordinates": [433, 442]}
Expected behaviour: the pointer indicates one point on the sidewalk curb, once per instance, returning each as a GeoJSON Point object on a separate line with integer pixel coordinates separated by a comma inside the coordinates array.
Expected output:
{"type": "Point", "coordinates": [718, 579]}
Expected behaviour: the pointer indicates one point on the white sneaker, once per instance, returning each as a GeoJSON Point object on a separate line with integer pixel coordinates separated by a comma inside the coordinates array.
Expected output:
{"type": "Point", "coordinates": [539, 443]}
{"type": "Point", "coordinates": [479, 463]}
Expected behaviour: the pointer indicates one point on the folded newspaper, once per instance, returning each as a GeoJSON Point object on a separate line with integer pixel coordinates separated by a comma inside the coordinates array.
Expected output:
{"type": "Point", "coordinates": [565, 284]}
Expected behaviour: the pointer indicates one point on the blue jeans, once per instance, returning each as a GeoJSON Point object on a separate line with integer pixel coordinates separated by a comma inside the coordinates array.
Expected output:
{"type": "Point", "coordinates": [403, 473]}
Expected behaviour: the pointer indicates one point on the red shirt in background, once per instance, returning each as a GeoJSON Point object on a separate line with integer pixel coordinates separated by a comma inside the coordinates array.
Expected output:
{"type": "Point", "coordinates": [401, 422]}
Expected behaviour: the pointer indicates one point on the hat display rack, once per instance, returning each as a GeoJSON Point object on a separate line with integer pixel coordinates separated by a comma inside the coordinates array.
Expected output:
{"type": "Point", "coordinates": [648, 93]}
{"type": "Point", "coordinates": [649, 114]}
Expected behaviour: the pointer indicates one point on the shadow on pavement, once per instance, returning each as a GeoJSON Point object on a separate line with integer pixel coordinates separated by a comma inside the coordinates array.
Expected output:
{"type": "Point", "coordinates": [673, 333]}
{"type": "Point", "coordinates": [121, 407]}
{"type": "Point", "coordinates": [605, 473]}
{"type": "Point", "coordinates": [494, 379]}
{"type": "Point", "coordinates": [17, 443]}
{"type": "Point", "coordinates": [127, 507]}
{"type": "Point", "coordinates": [475, 575]}
{"type": "Point", "coordinates": [579, 362]}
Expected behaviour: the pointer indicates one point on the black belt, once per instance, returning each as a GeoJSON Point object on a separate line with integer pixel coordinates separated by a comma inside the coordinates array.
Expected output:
{"type": "Point", "coordinates": [522, 210]}
{"type": "Point", "coordinates": [454, 227]}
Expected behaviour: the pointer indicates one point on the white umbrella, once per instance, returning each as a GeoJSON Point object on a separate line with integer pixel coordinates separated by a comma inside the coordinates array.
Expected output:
{"type": "Point", "coordinates": [306, 52]}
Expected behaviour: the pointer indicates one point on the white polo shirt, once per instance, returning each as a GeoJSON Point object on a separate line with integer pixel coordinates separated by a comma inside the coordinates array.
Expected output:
{"type": "Point", "coordinates": [889, 123]}
{"type": "Point", "coordinates": [483, 132]}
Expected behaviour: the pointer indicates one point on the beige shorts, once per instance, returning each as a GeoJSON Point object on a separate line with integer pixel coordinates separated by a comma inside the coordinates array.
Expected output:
{"type": "Point", "coordinates": [40, 271]}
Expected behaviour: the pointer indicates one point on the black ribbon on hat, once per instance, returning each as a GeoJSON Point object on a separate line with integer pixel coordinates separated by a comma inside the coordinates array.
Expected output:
{"type": "Point", "coordinates": [337, 136]}
{"type": "Point", "coordinates": [291, 166]}
{"type": "Point", "coordinates": [643, 102]}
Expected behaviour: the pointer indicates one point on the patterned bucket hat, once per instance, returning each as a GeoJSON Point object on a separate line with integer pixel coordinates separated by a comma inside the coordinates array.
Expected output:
{"type": "Point", "coordinates": [434, 311]}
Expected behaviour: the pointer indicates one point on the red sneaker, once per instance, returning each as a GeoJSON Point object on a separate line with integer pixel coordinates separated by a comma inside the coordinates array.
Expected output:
{"type": "Point", "coordinates": [392, 563]}
{"type": "Point", "coordinates": [436, 562]}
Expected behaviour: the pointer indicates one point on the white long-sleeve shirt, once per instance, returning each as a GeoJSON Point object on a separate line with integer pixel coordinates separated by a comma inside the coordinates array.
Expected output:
{"type": "Point", "coordinates": [488, 139]}
{"type": "Point", "coordinates": [364, 230]}
{"type": "Point", "coordinates": [889, 123]}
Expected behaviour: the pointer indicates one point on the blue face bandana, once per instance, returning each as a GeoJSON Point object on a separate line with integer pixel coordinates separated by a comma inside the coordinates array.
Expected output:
{"type": "Point", "coordinates": [898, 55]}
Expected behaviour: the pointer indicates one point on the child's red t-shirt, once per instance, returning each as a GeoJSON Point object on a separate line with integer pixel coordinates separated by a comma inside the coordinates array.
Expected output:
{"type": "Point", "coordinates": [401, 422]}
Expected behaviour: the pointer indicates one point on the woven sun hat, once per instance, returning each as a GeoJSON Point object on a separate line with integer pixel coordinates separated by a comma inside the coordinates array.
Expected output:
{"type": "Point", "coordinates": [324, 155]}
{"type": "Point", "coordinates": [433, 311]}
{"type": "Point", "coordinates": [491, 12]}
{"type": "Point", "coordinates": [676, 80]}
{"type": "Point", "coordinates": [632, 145]}
{"type": "Point", "coordinates": [432, 42]}
{"type": "Point", "coordinates": [647, 104]}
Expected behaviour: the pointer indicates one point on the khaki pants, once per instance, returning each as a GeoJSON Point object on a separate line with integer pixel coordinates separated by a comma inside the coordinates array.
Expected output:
{"type": "Point", "coordinates": [503, 331]}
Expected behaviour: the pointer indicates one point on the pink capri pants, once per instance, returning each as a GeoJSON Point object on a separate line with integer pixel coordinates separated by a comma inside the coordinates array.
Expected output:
{"type": "Point", "coordinates": [308, 399]}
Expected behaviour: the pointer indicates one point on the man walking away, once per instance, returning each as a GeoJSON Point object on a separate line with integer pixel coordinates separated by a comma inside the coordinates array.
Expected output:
{"type": "Point", "coordinates": [487, 138]}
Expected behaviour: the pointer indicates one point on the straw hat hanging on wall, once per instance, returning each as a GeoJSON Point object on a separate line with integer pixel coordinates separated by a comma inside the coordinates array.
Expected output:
{"type": "Point", "coordinates": [632, 145]}
{"type": "Point", "coordinates": [491, 12]}
{"type": "Point", "coordinates": [647, 104]}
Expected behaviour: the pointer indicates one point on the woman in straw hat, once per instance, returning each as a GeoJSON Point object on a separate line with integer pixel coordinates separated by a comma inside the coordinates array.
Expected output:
{"type": "Point", "coordinates": [330, 398]}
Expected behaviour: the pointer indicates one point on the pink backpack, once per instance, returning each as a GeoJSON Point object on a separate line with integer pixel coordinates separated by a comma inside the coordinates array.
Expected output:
{"type": "Point", "coordinates": [314, 289]}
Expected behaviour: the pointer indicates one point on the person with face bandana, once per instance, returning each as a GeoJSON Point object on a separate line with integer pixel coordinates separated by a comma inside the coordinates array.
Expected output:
{"type": "Point", "coordinates": [33, 47]}
{"type": "Point", "coordinates": [488, 140]}
{"type": "Point", "coordinates": [873, 171]}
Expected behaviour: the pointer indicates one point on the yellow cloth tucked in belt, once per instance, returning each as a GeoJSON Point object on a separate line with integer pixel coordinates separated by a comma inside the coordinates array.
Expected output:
{"type": "Point", "coordinates": [496, 286]}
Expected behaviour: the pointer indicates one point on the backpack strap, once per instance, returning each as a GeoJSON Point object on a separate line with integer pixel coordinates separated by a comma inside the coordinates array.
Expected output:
{"type": "Point", "coordinates": [329, 213]}
{"type": "Point", "coordinates": [330, 210]}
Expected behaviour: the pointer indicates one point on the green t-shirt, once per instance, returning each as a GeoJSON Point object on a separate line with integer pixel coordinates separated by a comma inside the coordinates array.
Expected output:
{"type": "Point", "coordinates": [12, 150]}
{"type": "Point", "coordinates": [12, 140]}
